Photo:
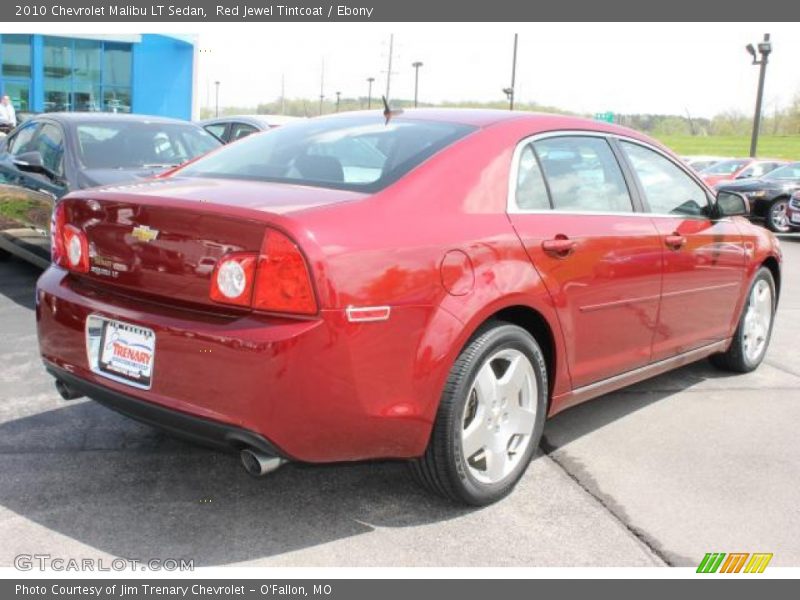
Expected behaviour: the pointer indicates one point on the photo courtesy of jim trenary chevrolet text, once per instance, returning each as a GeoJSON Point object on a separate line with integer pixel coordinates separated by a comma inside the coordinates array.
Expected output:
{"type": "Point", "coordinates": [398, 299]}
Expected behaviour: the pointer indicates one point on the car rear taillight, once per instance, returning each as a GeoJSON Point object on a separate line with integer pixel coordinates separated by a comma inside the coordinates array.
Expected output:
{"type": "Point", "coordinates": [69, 246]}
{"type": "Point", "coordinates": [233, 278]}
{"type": "Point", "coordinates": [283, 283]}
{"type": "Point", "coordinates": [57, 223]}
{"type": "Point", "coordinates": [275, 280]}
{"type": "Point", "coordinates": [76, 248]}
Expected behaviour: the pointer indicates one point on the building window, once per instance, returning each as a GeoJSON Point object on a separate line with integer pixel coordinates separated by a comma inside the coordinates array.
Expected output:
{"type": "Point", "coordinates": [15, 55]}
{"type": "Point", "coordinates": [87, 75]}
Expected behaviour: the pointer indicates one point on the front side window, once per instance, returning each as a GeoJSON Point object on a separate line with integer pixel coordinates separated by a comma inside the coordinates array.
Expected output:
{"type": "Point", "coordinates": [50, 144]}
{"type": "Point", "coordinates": [791, 171]}
{"type": "Point", "coordinates": [758, 170]}
{"type": "Point", "coordinates": [668, 189]}
{"type": "Point", "coordinates": [241, 130]}
{"type": "Point", "coordinates": [583, 174]}
{"type": "Point", "coordinates": [22, 140]}
{"type": "Point", "coordinates": [362, 153]}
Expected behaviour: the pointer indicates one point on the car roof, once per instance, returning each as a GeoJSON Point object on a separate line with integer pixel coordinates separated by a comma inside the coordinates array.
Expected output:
{"type": "Point", "coordinates": [89, 117]}
{"type": "Point", "coordinates": [481, 118]}
{"type": "Point", "coordinates": [269, 120]}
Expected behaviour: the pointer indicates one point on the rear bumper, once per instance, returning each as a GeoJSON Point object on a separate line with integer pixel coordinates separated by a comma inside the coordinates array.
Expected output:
{"type": "Point", "coordinates": [190, 427]}
{"type": "Point", "coordinates": [318, 390]}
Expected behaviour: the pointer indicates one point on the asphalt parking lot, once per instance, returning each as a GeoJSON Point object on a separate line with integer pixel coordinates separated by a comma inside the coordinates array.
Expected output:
{"type": "Point", "coordinates": [694, 461]}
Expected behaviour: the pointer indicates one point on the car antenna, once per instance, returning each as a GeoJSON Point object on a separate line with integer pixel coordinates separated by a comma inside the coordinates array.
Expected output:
{"type": "Point", "coordinates": [388, 113]}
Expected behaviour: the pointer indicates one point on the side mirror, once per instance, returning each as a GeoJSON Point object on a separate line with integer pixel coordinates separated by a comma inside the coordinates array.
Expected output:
{"type": "Point", "coordinates": [731, 204]}
{"type": "Point", "coordinates": [30, 161]}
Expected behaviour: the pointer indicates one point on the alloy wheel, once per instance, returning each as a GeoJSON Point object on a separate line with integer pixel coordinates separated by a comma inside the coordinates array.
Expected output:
{"type": "Point", "coordinates": [757, 320]}
{"type": "Point", "coordinates": [499, 416]}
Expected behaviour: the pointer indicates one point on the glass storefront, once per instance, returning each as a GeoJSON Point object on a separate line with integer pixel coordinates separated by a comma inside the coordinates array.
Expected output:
{"type": "Point", "coordinates": [87, 75]}
{"type": "Point", "coordinates": [15, 54]}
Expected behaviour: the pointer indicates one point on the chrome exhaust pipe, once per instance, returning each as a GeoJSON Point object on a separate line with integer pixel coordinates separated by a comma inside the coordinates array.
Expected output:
{"type": "Point", "coordinates": [257, 463]}
{"type": "Point", "coordinates": [66, 392]}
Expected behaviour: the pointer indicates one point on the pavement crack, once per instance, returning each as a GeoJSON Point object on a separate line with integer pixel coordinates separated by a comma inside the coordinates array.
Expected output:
{"type": "Point", "coordinates": [780, 367]}
{"type": "Point", "coordinates": [608, 503]}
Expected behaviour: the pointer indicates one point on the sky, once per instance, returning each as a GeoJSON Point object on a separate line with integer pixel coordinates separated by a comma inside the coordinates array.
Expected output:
{"type": "Point", "coordinates": [583, 67]}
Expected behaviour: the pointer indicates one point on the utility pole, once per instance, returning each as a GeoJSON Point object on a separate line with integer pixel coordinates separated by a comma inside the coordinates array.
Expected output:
{"type": "Point", "coordinates": [764, 49]}
{"type": "Point", "coordinates": [370, 80]}
{"type": "Point", "coordinates": [322, 86]}
{"type": "Point", "coordinates": [389, 71]}
{"type": "Point", "coordinates": [416, 66]}
{"type": "Point", "coordinates": [216, 101]}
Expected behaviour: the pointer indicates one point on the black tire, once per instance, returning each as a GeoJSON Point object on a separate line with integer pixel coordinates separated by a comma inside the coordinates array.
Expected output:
{"type": "Point", "coordinates": [443, 469]}
{"type": "Point", "coordinates": [774, 221]}
{"type": "Point", "coordinates": [735, 358]}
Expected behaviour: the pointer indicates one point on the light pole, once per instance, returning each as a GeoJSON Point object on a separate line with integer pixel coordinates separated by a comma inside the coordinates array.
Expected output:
{"type": "Point", "coordinates": [370, 80]}
{"type": "Point", "coordinates": [509, 91]}
{"type": "Point", "coordinates": [416, 65]}
{"type": "Point", "coordinates": [764, 49]}
{"type": "Point", "coordinates": [338, 96]}
{"type": "Point", "coordinates": [216, 102]}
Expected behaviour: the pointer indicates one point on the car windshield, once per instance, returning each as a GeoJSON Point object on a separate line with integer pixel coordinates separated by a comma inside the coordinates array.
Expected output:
{"type": "Point", "coordinates": [140, 144]}
{"type": "Point", "coordinates": [362, 153]}
{"type": "Point", "coordinates": [726, 167]}
{"type": "Point", "coordinates": [791, 171]}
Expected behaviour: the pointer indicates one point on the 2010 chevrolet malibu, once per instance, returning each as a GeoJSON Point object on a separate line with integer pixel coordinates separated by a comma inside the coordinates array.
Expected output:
{"type": "Point", "coordinates": [427, 285]}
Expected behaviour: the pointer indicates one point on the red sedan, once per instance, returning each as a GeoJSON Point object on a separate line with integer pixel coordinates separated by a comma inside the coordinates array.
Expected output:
{"type": "Point", "coordinates": [428, 286]}
{"type": "Point", "coordinates": [738, 168]}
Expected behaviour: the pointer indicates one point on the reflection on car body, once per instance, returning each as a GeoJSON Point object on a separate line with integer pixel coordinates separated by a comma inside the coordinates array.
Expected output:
{"type": "Point", "coordinates": [52, 154]}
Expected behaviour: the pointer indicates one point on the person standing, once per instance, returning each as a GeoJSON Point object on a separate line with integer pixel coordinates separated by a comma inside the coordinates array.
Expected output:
{"type": "Point", "coordinates": [7, 112]}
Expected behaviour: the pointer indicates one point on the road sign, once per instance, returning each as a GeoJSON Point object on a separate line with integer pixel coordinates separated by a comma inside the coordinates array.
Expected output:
{"type": "Point", "coordinates": [607, 117]}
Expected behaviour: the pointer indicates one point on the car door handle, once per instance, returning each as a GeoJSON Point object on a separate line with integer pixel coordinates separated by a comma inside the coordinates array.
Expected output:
{"type": "Point", "coordinates": [675, 241]}
{"type": "Point", "coordinates": [560, 246]}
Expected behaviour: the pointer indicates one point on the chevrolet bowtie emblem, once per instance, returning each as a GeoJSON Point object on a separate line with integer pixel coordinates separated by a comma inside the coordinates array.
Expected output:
{"type": "Point", "coordinates": [144, 234]}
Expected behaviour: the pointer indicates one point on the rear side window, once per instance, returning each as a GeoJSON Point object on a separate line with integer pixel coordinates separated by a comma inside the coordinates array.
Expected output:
{"type": "Point", "coordinates": [217, 130]}
{"type": "Point", "coordinates": [362, 153]}
{"type": "Point", "coordinates": [583, 174]}
{"type": "Point", "coordinates": [667, 188]}
{"type": "Point", "coordinates": [531, 193]}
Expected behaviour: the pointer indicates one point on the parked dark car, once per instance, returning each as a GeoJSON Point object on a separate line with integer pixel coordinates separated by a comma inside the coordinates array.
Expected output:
{"type": "Point", "coordinates": [235, 127]}
{"type": "Point", "coordinates": [50, 155]}
{"type": "Point", "coordinates": [769, 196]}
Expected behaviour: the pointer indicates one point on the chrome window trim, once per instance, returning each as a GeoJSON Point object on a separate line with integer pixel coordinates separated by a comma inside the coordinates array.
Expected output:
{"type": "Point", "coordinates": [513, 209]}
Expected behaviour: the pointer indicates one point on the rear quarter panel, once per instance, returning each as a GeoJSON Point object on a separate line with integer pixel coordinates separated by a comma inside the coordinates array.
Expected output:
{"type": "Point", "coordinates": [445, 223]}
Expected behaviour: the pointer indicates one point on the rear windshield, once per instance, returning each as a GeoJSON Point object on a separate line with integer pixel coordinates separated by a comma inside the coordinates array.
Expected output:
{"type": "Point", "coordinates": [362, 153]}
{"type": "Point", "coordinates": [140, 144]}
{"type": "Point", "coordinates": [726, 167]}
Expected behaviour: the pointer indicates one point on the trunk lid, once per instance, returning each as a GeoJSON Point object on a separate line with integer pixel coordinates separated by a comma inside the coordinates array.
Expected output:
{"type": "Point", "coordinates": [162, 238]}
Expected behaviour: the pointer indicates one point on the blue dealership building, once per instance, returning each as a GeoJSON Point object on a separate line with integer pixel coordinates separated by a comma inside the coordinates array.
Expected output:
{"type": "Point", "coordinates": [145, 74]}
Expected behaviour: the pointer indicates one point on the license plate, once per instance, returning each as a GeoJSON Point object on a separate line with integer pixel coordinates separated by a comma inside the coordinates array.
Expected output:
{"type": "Point", "coordinates": [121, 351]}
{"type": "Point", "coordinates": [795, 217]}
